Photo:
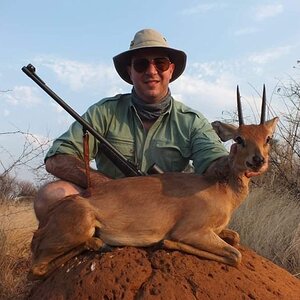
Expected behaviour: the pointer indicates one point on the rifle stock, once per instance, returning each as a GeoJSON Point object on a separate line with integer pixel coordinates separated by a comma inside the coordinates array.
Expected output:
{"type": "Point", "coordinates": [121, 162]}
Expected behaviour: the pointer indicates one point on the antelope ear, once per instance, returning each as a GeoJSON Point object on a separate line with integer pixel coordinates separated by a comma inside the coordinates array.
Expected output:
{"type": "Point", "coordinates": [225, 131]}
{"type": "Point", "coordinates": [271, 124]}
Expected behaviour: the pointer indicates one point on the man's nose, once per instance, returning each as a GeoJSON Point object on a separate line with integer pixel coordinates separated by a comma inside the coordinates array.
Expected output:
{"type": "Point", "coordinates": [151, 68]}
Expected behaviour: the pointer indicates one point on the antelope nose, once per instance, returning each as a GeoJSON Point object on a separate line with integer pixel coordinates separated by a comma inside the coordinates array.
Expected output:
{"type": "Point", "coordinates": [258, 160]}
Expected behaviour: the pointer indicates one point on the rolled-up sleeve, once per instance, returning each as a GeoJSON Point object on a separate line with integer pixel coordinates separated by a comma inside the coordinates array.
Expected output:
{"type": "Point", "coordinates": [71, 142]}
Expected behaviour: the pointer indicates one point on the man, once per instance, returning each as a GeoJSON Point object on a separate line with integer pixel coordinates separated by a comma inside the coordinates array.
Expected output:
{"type": "Point", "coordinates": [147, 126]}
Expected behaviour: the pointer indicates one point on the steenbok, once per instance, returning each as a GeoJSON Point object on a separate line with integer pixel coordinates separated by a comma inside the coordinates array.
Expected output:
{"type": "Point", "coordinates": [186, 212]}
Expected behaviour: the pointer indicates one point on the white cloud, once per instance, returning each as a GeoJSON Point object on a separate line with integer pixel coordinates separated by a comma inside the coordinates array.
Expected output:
{"type": "Point", "coordinates": [6, 113]}
{"type": "Point", "coordinates": [63, 119]}
{"type": "Point", "coordinates": [211, 70]}
{"type": "Point", "coordinates": [210, 87]}
{"type": "Point", "coordinates": [80, 76]}
{"type": "Point", "coordinates": [245, 31]}
{"type": "Point", "coordinates": [268, 11]}
{"type": "Point", "coordinates": [37, 140]}
{"type": "Point", "coordinates": [57, 108]}
{"type": "Point", "coordinates": [269, 55]}
{"type": "Point", "coordinates": [22, 95]}
{"type": "Point", "coordinates": [208, 97]}
{"type": "Point", "coordinates": [202, 8]}
{"type": "Point", "coordinates": [205, 68]}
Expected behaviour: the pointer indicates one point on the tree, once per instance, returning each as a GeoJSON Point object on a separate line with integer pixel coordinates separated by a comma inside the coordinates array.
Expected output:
{"type": "Point", "coordinates": [286, 150]}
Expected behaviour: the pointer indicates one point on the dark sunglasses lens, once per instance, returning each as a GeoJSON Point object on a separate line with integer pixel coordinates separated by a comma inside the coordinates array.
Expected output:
{"type": "Point", "coordinates": [141, 65]}
{"type": "Point", "coordinates": [162, 64]}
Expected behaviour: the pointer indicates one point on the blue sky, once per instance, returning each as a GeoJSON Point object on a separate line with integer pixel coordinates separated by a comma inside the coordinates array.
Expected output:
{"type": "Point", "coordinates": [71, 44]}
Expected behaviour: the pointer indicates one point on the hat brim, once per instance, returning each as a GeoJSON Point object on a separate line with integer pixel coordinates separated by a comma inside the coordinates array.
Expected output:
{"type": "Point", "coordinates": [123, 60]}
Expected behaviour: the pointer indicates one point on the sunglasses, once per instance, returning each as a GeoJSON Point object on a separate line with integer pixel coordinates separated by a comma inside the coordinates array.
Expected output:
{"type": "Point", "coordinates": [161, 64]}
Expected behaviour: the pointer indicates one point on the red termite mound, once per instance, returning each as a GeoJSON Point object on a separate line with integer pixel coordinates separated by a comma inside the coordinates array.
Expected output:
{"type": "Point", "coordinates": [148, 273]}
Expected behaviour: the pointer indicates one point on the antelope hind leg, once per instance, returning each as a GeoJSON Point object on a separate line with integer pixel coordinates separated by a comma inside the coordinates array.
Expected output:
{"type": "Point", "coordinates": [68, 230]}
{"type": "Point", "coordinates": [44, 269]}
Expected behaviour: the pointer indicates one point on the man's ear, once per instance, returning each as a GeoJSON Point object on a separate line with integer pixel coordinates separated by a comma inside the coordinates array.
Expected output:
{"type": "Point", "coordinates": [129, 71]}
{"type": "Point", "coordinates": [225, 131]}
{"type": "Point", "coordinates": [171, 69]}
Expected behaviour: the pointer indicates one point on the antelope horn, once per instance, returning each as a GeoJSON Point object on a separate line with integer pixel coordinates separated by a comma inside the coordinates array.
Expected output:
{"type": "Point", "coordinates": [239, 106]}
{"type": "Point", "coordinates": [263, 107]}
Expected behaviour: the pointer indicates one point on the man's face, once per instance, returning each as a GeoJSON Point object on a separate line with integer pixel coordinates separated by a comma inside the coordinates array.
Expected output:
{"type": "Point", "coordinates": [151, 84]}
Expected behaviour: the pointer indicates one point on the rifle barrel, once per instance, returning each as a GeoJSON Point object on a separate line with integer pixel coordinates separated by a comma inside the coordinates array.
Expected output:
{"type": "Point", "coordinates": [125, 166]}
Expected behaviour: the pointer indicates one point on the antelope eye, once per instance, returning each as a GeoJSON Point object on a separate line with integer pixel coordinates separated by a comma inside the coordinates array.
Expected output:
{"type": "Point", "coordinates": [240, 141]}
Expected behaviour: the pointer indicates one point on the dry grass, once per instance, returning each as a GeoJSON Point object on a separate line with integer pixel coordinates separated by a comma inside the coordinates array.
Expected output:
{"type": "Point", "coordinates": [17, 224]}
{"type": "Point", "coordinates": [268, 222]}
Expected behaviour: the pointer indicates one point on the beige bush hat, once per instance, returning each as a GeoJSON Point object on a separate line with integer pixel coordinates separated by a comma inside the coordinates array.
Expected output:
{"type": "Point", "coordinates": [149, 38]}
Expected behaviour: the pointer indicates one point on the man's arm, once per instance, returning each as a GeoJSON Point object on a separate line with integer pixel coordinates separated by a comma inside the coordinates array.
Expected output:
{"type": "Point", "coordinates": [72, 169]}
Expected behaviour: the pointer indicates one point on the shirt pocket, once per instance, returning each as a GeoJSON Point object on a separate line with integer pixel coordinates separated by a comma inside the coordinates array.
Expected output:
{"type": "Point", "coordinates": [124, 146]}
{"type": "Point", "coordinates": [170, 157]}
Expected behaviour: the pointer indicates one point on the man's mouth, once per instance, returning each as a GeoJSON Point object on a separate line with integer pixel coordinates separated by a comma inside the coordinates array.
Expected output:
{"type": "Point", "coordinates": [151, 81]}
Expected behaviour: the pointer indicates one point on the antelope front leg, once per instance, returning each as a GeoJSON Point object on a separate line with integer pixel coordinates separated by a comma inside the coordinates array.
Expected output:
{"type": "Point", "coordinates": [208, 245]}
{"type": "Point", "coordinates": [230, 236]}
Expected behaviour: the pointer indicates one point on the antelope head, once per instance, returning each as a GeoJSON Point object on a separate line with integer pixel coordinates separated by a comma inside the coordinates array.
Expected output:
{"type": "Point", "coordinates": [250, 152]}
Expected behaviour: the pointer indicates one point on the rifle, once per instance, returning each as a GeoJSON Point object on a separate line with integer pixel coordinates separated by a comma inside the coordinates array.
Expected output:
{"type": "Point", "coordinates": [118, 159]}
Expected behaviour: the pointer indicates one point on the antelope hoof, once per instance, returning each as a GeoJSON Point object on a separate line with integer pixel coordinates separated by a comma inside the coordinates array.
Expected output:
{"type": "Point", "coordinates": [231, 237]}
{"type": "Point", "coordinates": [234, 257]}
{"type": "Point", "coordinates": [94, 244]}
{"type": "Point", "coordinates": [38, 272]}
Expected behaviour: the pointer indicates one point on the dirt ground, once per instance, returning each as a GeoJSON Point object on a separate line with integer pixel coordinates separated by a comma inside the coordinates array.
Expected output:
{"type": "Point", "coordinates": [132, 273]}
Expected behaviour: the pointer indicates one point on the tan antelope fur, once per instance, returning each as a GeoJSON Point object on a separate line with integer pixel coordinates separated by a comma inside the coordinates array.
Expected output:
{"type": "Point", "coordinates": [186, 212]}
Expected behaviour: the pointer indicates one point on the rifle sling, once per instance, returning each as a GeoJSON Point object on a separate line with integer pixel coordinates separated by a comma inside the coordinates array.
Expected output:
{"type": "Point", "coordinates": [86, 155]}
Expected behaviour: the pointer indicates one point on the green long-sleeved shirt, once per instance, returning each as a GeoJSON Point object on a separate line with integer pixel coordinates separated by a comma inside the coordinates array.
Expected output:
{"type": "Point", "coordinates": [178, 136]}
